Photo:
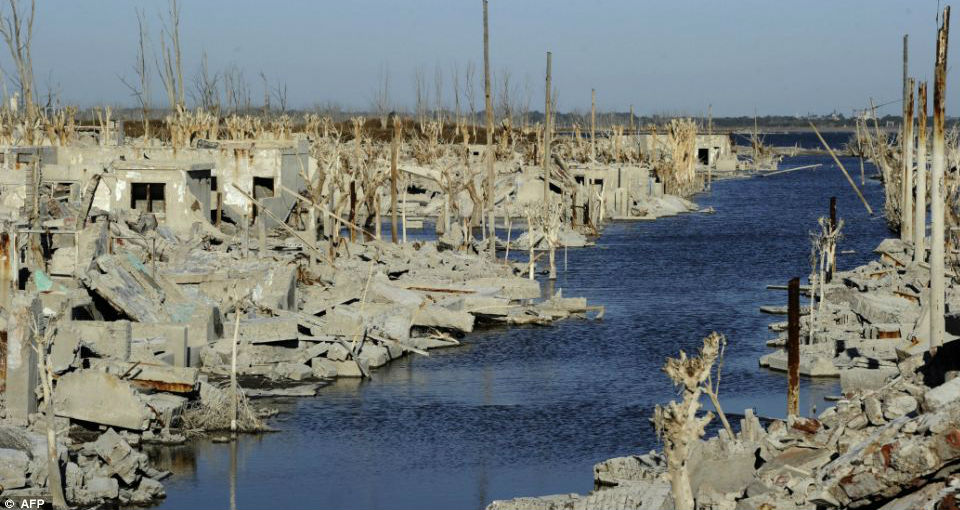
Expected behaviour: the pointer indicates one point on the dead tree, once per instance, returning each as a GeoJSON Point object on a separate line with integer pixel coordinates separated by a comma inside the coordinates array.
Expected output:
{"type": "Point", "coordinates": [382, 97]}
{"type": "Point", "coordinates": [171, 70]}
{"type": "Point", "coordinates": [678, 425]}
{"type": "Point", "coordinates": [17, 32]}
{"type": "Point", "coordinates": [488, 103]}
{"type": "Point", "coordinates": [142, 91]}
{"type": "Point", "coordinates": [42, 341]}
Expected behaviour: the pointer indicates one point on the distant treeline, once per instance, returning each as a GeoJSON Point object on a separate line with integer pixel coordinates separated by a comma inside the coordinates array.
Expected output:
{"type": "Point", "coordinates": [564, 120]}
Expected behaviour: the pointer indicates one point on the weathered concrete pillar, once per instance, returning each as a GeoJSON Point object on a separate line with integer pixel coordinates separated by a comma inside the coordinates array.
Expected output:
{"type": "Point", "coordinates": [793, 347]}
{"type": "Point", "coordinates": [920, 210]}
{"type": "Point", "coordinates": [22, 374]}
{"type": "Point", "coordinates": [936, 187]}
{"type": "Point", "coordinates": [906, 204]}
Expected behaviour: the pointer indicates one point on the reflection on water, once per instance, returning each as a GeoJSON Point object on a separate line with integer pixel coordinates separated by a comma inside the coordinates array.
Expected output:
{"type": "Point", "coordinates": [529, 410]}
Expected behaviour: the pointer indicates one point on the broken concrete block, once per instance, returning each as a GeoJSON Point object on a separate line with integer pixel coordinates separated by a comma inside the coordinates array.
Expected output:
{"type": "Point", "coordinates": [873, 410]}
{"type": "Point", "coordinates": [148, 490]}
{"type": "Point", "coordinates": [73, 478]}
{"type": "Point", "coordinates": [374, 356]}
{"type": "Point", "coordinates": [292, 371]}
{"type": "Point", "coordinates": [323, 368]}
{"type": "Point", "coordinates": [204, 327]}
{"type": "Point", "coordinates": [937, 398]}
{"type": "Point", "coordinates": [174, 338]}
{"type": "Point", "coordinates": [13, 468]}
{"type": "Point", "coordinates": [105, 338]}
{"type": "Point", "coordinates": [338, 352]}
{"type": "Point", "coordinates": [278, 289]}
{"type": "Point", "coordinates": [101, 488]}
{"type": "Point", "coordinates": [264, 330]}
{"type": "Point", "coordinates": [853, 380]}
{"type": "Point", "coordinates": [439, 317]}
{"type": "Point", "coordinates": [347, 368]}
{"type": "Point", "coordinates": [168, 407]}
{"type": "Point", "coordinates": [122, 460]}
{"type": "Point", "coordinates": [22, 376]}
{"type": "Point", "coordinates": [99, 397]}
{"type": "Point", "coordinates": [898, 406]}
{"type": "Point", "coordinates": [152, 376]}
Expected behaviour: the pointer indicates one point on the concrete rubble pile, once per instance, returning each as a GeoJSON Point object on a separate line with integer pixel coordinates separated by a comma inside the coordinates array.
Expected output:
{"type": "Point", "coordinates": [892, 448]}
{"type": "Point", "coordinates": [124, 296]}
{"type": "Point", "coordinates": [870, 320]}
{"type": "Point", "coordinates": [892, 441]}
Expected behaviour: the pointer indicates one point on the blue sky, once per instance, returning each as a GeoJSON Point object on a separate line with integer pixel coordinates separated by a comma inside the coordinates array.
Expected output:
{"type": "Point", "coordinates": [669, 57]}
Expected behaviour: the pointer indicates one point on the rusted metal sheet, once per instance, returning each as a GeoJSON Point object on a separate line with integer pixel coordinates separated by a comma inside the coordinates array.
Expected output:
{"type": "Point", "coordinates": [163, 386]}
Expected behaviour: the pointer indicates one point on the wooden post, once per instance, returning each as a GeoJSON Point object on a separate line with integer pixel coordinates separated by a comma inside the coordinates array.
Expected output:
{"type": "Point", "coordinates": [219, 206]}
{"type": "Point", "coordinates": [936, 187]}
{"type": "Point", "coordinates": [631, 121]}
{"type": "Point", "coordinates": [262, 236]}
{"type": "Point", "coordinates": [246, 232]}
{"type": "Point", "coordinates": [906, 204]}
{"type": "Point", "coordinates": [920, 211]}
{"type": "Point", "coordinates": [488, 105]}
{"type": "Point", "coordinates": [233, 371]}
{"type": "Point", "coordinates": [394, 177]}
{"type": "Point", "coordinates": [833, 226]}
{"type": "Point", "coordinates": [353, 210]}
{"type": "Point", "coordinates": [793, 347]}
{"type": "Point", "coordinates": [403, 214]}
{"type": "Point", "coordinates": [547, 135]}
{"type": "Point", "coordinates": [593, 124]}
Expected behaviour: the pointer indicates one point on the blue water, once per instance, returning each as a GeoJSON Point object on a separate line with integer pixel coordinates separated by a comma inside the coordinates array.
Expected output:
{"type": "Point", "coordinates": [803, 139]}
{"type": "Point", "coordinates": [528, 411]}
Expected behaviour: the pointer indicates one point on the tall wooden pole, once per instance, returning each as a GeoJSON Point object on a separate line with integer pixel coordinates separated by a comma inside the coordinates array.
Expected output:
{"type": "Point", "coordinates": [593, 124]}
{"type": "Point", "coordinates": [906, 205]}
{"type": "Point", "coordinates": [394, 177]}
{"type": "Point", "coordinates": [920, 212]}
{"type": "Point", "coordinates": [793, 347]}
{"type": "Point", "coordinates": [547, 132]}
{"type": "Point", "coordinates": [903, 137]}
{"type": "Point", "coordinates": [488, 105]}
{"type": "Point", "coordinates": [936, 187]}
{"type": "Point", "coordinates": [631, 120]}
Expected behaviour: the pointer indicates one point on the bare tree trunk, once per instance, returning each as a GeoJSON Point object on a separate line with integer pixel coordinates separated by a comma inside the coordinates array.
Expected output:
{"type": "Point", "coordinates": [394, 177]}
{"type": "Point", "coordinates": [54, 478]}
{"type": "Point", "coordinates": [936, 187]}
{"type": "Point", "coordinates": [547, 135]}
{"type": "Point", "coordinates": [906, 204]}
{"type": "Point", "coordinates": [593, 124]}
{"type": "Point", "coordinates": [920, 214]}
{"type": "Point", "coordinates": [488, 102]}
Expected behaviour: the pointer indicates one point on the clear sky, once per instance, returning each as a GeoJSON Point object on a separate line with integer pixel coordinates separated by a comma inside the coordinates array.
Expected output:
{"type": "Point", "coordinates": [668, 57]}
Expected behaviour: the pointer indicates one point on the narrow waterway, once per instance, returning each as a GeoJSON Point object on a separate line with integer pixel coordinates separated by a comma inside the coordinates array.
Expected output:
{"type": "Point", "coordinates": [528, 411]}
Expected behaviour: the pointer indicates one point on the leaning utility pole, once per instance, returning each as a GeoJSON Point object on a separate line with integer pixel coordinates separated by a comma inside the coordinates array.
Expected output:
{"type": "Point", "coordinates": [936, 187]}
{"type": "Point", "coordinates": [906, 205]}
{"type": "Point", "coordinates": [593, 124]}
{"type": "Point", "coordinates": [920, 213]}
{"type": "Point", "coordinates": [488, 105]}
{"type": "Point", "coordinates": [547, 135]}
